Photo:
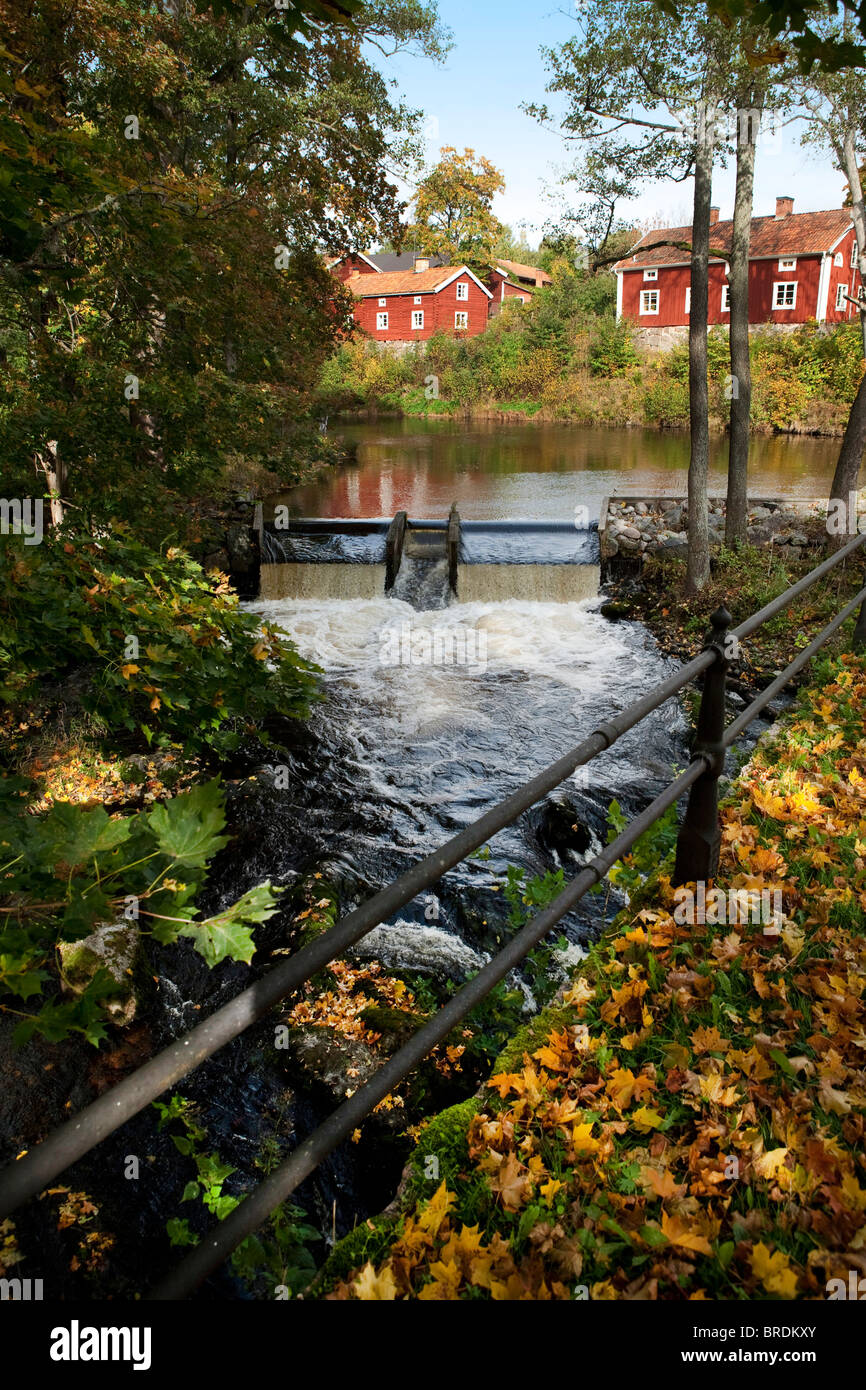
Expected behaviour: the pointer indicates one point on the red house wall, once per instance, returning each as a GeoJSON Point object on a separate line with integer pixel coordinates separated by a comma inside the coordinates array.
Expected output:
{"type": "Point", "coordinates": [439, 310]}
{"type": "Point", "coordinates": [846, 275]}
{"type": "Point", "coordinates": [763, 275]}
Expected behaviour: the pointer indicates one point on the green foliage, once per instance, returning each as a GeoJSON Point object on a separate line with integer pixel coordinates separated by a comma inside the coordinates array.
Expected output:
{"type": "Point", "coordinates": [161, 652]}
{"type": "Point", "coordinates": [70, 870]}
{"type": "Point", "coordinates": [612, 350]}
{"type": "Point", "coordinates": [648, 854]}
{"type": "Point", "coordinates": [277, 1257]}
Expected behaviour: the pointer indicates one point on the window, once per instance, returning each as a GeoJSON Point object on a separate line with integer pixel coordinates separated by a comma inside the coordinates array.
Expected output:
{"type": "Point", "coordinates": [522, 298]}
{"type": "Point", "coordinates": [651, 274]}
{"type": "Point", "coordinates": [854, 252]}
{"type": "Point", "coordinates": [649, 301]}
{"type": "Point", "coordinates": [726, 299]}
{"type": "Point", "coordinates": [784, 294]}
{"type": "Point", "coordinates": [381, 321]}
{"type": "Point", "coordinates": [417, 299]}
{"type": "Point", "coordinates": [689, 299]}
{"type": "Point", "coordinates": [788, 263]}
{"type": "Point", "coordinates": [417, 318]}
{"type": "Point", "coordinates": [837, 259]}
{"type": "Point", "coordinates": [461, 319]}
{"type": "Point", "coordinates": [462, 290]}
{"type": "Point", "coordinates": [382, 303]}
{"type": "Point", "coordinates": [841, 291]}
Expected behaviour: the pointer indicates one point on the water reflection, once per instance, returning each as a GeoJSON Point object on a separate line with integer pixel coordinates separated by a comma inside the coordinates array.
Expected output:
{"type": "Point", "coordinates": [496, 471]}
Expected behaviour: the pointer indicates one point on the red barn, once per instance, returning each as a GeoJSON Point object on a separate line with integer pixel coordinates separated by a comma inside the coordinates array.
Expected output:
{"type": "Point", "coordinates": [801, 267]}
{"type": "Point", "coordinates": [411, 305]}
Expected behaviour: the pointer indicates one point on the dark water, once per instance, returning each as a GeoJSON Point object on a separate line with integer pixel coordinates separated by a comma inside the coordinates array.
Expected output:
{"type": "Point", "coordinates": [496, 471]}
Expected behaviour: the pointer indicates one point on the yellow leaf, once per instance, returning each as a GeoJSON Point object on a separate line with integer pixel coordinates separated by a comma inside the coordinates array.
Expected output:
{"type": "Point", "coordinates": [370, 1286]}
{"type": "Point", "coordinates": [436, 1210]}
{"type": "Point", "coordinates": [678, 1233]}
{"type": "Point", "coordinates": [774, 1271]}
{"type": "Point", "coordinates": [646, 1119]}
{"type": "Point", "coordinates": [129, 670]}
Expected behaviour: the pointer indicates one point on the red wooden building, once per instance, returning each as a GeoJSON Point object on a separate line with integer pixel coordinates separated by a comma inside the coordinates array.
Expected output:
{"type": "Point", "coordinates": [802, 266]}
{"type": "Point", "coordinates": [412, 305]}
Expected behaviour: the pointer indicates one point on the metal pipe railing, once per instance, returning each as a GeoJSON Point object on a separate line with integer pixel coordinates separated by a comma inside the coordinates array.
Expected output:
{"type": "Point", "coordinates": [209, 1254]}
{"type": "Point", "coordinates": [34, 1170]}
{"type": "Point", "coordinates": [70, 1141]}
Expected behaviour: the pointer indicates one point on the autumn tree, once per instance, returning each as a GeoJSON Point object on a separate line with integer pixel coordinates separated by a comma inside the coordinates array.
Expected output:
{"type": "Point", "coordinates": [836, 102]}
{"type": "Point", "coordinates": [172, 176]}
{"type": "Point", "coordinates": [453, 209]}
{"type": "Point", "coordinates": [645, 100]}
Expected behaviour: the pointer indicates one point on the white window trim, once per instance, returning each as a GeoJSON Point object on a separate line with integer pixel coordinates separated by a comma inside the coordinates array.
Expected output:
{"type": "Point", "coordinates": [651, 274]}
{"type": "Point", "coordinates": [461, 314]}
{"type": "Point", "coordinates": [838, 259]}
{"type": "Point", "coordinates": [841, 291]}
{"type": "Point", "coordinates": [726, 299]}
{"type": "Point", "coordinates": [381, 323]}
{"type": "Point", "coordinates": [787, 263]}
{"type": "Point", "coordinates": [417, 299]}
{"type": "Point", "coordinates": [382, 303]}
{"type": "Point", "coordinates": [688, 309]}
{"type": "Point", "coordinates": [645, 299]}
{"type": "Point", "coordinates": [854, 256]}
{"type": "Point", "coordinates": [781, 285]}
{"type": "Point", "coordinates": [463, 289]}
{"type": "Point", "coordinates": [417, 314]}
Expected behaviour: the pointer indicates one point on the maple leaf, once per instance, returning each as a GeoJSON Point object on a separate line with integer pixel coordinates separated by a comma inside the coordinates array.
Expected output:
{"type": "Point", "coordinates": [511, 1183]}
{"type": "Point", "coordinates": [581, 1138]}
{"type": "Point", "coordinates": [506, 1081]}
{"type": "Point", "coordinates": [437, 1209]}
{"type": "Point", "coordinates": [644, 1119]}
{"type": "Point", "coordinates": [660, 1183]}
{"type": "Point", "coordinates": [579, 995]}
{"type": "Point", "coordinates": [706, 1039]}
{"type": "Point", "coordinates": [774, 1271]}
{"type": "Point", "coordinates": [684, 1236]}
{"type": "Point", "coordinates": [370, 1286]}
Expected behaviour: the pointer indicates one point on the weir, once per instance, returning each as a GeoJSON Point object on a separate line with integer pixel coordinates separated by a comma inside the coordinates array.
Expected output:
{"type": "Point", "coordinates": [430, 562]}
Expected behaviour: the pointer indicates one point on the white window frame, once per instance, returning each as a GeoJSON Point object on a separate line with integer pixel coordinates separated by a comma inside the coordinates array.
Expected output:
{"type": "Point", "coordinates": [417, 318]}
{"type": "Point", "coordinates": [841, 292]}
{"type": "Point", "coordinates": [462, 289]}
{"type": "Point", "coordinates": [726, 299]}
{"type": "Point", "coordinates": [646, 297]}
{"type": "Point", "coordinates": [838, 259]}
{"type": "Point", "coordinates": [688, 300]}
{"type": "Point", "coordinates": [381, 323]}
{"type": "Point", "coordinates": [461, 314]}
{"type": "Point", "coordinates": [651, 274]}
{"type": "Point", "coordinates": [417, 299]}
{"type": "Point", "coordinates": [854, 255]}
{"type": "Point", "coordinates": [779, 288]}
{"type": "Point", "coordinates": [521, 297]}
{"type": "Point", "coordinates": [787, 263]}
{"type": "Point", "coordinates": [382, 303]}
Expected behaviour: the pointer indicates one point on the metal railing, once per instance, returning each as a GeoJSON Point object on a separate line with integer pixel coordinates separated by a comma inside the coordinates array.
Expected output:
{"type": "Point", "coordinates": [696, 859]}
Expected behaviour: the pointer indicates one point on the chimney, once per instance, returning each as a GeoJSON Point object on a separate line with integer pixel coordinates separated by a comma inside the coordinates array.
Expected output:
{"type": "Point", "coordinates": [422, 263]}
{"type": "Point", "coordinates": [714, 215]}
{"type": "Point", "coordinates": [784, 206]}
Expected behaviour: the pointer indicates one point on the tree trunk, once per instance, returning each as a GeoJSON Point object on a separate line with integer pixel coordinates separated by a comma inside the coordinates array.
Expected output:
{"type": "Point", "coordinates": [698, 561]}
{"type": "Point", "coordinates": [748, 122]}
{"type": "Point", "coordinates": [847, 475]}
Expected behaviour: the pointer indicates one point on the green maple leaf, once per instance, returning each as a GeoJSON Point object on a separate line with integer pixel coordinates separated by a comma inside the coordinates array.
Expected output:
{"type": "Point", "coordinates": [226, 936]}
{"type": "Point", "coordinates": [187, 828]}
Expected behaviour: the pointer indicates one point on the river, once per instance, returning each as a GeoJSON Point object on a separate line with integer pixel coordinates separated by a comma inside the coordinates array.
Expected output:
{"type": "Point", "coordinates": [538, 471]}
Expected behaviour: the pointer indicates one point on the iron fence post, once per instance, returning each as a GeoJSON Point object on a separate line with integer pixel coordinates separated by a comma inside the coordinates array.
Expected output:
{"type": "Point", "coordinates": [700, 837]}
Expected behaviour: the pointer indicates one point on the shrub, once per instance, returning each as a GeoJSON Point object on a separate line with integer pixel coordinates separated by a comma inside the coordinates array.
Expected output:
{"type": "Point", "coordinates": [158, 648]}
{"type": "Point", "coordinates": [612, 350]}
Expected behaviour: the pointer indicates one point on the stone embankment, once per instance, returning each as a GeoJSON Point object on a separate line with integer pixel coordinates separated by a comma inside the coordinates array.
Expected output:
{"type": "Point", "coordinates": [632, 527]}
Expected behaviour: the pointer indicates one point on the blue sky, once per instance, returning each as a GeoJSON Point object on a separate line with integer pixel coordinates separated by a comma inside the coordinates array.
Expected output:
{"type": "Point", "coordinates": [495, 65]}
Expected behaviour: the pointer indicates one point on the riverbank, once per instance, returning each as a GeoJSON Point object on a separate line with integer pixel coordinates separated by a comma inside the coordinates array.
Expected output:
{"type": "Point", "coordinates": [687, 1120]}
{"type": "Point", "coordinates": [803, 381]}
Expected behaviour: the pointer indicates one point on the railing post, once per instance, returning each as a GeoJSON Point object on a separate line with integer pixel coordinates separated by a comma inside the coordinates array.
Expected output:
{"type": "Point", "coordinates": [700, 837]}
{"type": "Point", "coordinates": [858, 642]}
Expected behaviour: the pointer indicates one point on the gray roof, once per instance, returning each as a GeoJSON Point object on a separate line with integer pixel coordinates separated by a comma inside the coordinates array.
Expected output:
{"type": "Point", "coordinates": [390, 260]}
